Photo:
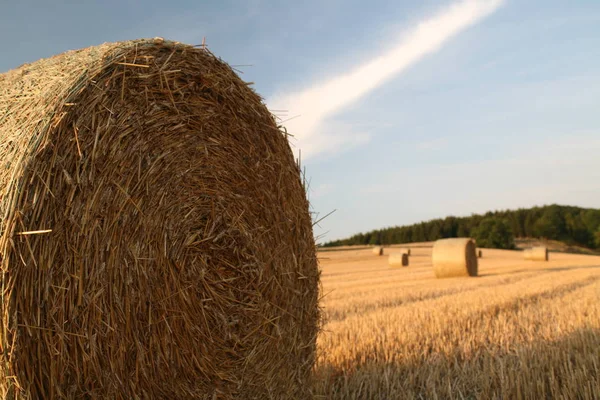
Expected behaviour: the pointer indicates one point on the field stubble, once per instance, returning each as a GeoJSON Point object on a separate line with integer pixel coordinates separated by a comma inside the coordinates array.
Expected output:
{"type": "Point", "coordinates": [522, 329]}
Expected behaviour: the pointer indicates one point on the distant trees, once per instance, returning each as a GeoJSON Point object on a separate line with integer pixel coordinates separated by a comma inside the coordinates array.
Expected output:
{"type": "Point", "coordinates": [375, 238]}
{"type": "Point", "coordinates": [551, 224]}
{"type": "Point", "coordinates": [573, 225]}
{"type": "Point", "coordinates": [494, 233]}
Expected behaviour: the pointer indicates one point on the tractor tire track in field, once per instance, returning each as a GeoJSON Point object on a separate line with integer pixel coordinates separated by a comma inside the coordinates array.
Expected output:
{"type": "Point", "coordinates": [535, 299]}
{"type": "Point", "coordinates": [362, 308]}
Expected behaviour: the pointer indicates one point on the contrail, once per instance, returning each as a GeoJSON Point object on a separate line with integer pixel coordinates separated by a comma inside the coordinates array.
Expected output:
{"type": "Point", "coordinates": [314, 104]}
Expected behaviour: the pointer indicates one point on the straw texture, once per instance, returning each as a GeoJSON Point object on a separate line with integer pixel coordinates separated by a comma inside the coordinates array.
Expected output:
{"type": "Point", "coordinates": [536, 254]}
{"type": "Point", "coordinates": [172, 253]}
{"type": "Point", "coordinates": [398, 260]}
{"type": "Point", "coordinates": [454, 257]}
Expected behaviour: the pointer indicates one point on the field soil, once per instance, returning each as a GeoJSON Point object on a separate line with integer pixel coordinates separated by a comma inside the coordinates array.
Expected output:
{"type": "Point", "coordinates": [521, 330]}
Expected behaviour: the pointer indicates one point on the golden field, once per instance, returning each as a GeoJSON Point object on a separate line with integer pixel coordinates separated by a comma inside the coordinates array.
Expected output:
{"type": "Point", "coordinates": [521, 330]}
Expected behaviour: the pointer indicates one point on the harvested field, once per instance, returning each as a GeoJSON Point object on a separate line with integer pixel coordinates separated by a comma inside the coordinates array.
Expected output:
{"type": "Point", "coordinates": [520, 330]}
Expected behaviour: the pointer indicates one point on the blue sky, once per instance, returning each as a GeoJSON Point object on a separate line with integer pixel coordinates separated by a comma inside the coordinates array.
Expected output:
{"type": "Point", "coordinates": [475, 105]}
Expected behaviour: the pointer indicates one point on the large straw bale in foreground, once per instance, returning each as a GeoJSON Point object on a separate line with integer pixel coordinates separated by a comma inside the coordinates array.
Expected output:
{"type": "Point", "coordinates": [454, 257]}
{"type": "Point", "coordinates": [536, 254]}
{"type": "Point", "coordinates": [181, 262]}
{"type": "Point", "coordinates": [398, 260]}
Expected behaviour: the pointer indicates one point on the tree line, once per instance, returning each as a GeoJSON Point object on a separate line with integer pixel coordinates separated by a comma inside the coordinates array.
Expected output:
{"type": "Point", "coordinates": [572, 225]}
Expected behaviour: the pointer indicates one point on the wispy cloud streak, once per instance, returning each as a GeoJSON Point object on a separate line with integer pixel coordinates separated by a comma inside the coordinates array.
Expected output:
{"type": "Point", "coordinates": [319, 101]}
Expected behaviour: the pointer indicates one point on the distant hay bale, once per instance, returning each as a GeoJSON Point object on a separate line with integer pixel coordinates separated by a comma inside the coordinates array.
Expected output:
{"type": "Point", "coordinates": [378, 250]}
{"type": "Point", "coordinates": [398, 260]}
{"type": "Point", "coordinates": [169, 249]}
{"type": "Point", "coordinates": [536, 254]}
{"type": "Point", "coordinates": [479, 254]}
{"type": "Point", "coordinates": [454, 257]}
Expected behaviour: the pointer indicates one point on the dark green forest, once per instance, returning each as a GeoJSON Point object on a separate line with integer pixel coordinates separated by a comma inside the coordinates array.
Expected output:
{"type": "Point", "coordinates": [572, 225]}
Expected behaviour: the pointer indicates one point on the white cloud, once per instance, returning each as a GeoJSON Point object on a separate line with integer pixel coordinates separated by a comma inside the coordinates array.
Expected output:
{"type": "Point", "coordinates": [321, 100]}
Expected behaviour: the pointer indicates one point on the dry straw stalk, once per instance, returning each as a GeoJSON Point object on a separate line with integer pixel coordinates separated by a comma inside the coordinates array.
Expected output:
{"type": "Point", "coordinates": [454, 257]}
{"type": "Point", "coordinates": [177, 259]}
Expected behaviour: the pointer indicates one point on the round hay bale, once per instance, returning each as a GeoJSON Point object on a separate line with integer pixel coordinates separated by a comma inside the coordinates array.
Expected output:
{"type": "Point", "coordinates": [378, 250]}
{"type": "Point", "coordinates": [398, 260]}
{"type": "Point", "coordinates": [454, 257]}
{"type": "Point", "coordinates": [536, 254]}
{"type": "Point", "coordinates": [479, 254]}
{"type": "Point", "coordinates": [174, 255]}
